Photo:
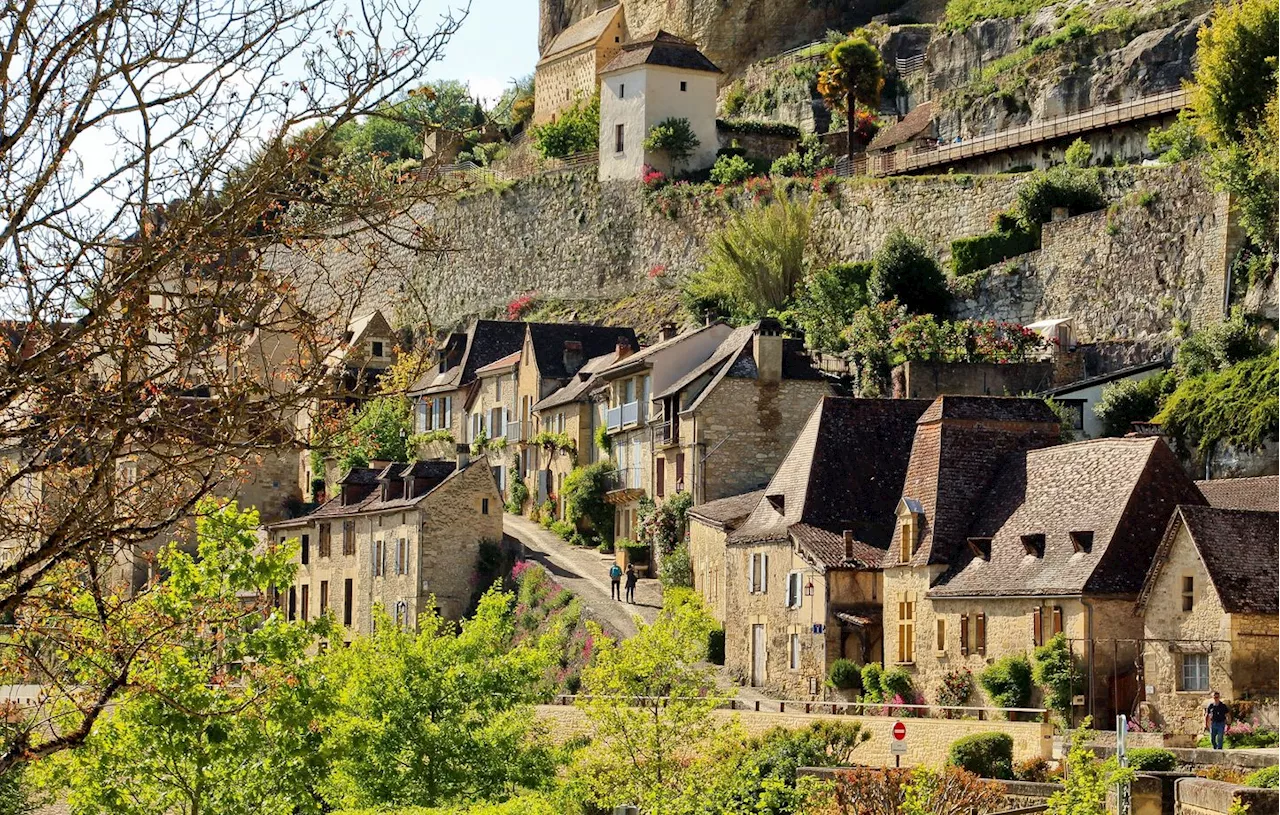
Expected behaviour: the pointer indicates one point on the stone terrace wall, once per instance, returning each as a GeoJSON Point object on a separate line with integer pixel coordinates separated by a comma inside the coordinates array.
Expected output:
{"type": "Point", "coordinates": [928, 740]}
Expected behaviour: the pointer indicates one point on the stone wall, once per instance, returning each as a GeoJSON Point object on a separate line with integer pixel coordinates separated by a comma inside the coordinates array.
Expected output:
{"type": "Point", "coordinates": [928, 740]}
{"type": "Point", "coordinates": [925, 380]}
{"type": "Point", "coordinates": [1202, 796]}
{"type": "Point", "coordinates": [757, 145]}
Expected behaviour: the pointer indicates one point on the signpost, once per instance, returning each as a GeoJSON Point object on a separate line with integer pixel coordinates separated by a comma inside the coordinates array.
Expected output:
{"type": "Point", "coordinates": [898, 745]}
{"type": "Point", "coordinates": [1122, 757]}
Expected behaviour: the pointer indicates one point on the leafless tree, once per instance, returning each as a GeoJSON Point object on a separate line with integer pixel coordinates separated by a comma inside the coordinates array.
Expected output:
{"type": "Point", "coordinates": [176, 266]}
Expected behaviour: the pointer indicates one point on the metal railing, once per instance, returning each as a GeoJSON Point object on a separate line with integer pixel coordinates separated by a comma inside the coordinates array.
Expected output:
{"type": "Point", "coordinates": [909, 65]}
{"type": "Point", "coordinates": [613, 418]}
{"type": "Point", "coordinates": [663, 433]}
{"type": "Point", "coordinates": [630, 413]}
{"type": "Point", "coordinates": [515, 430]}
{"type": "Point", "coordinates": [625, 478]}
{"type": "Point", "coordinates": [1093, 119]}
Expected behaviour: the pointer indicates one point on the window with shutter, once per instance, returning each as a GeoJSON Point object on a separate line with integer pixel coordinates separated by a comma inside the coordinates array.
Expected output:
{"type": "Point", "coordinates": [306, 549]}
{"type": "Point", "coordinates": [964, 634]}
{"type": "Point", "coordinates": [348, 597]}
{"type": "Point", "coordinates": [751, 573]}
{"type": "Point", "coordinates": [942, 634]}
{"type": "Point", "coordinates": [660, 476]}
{"type": "Point", "coordinates": [348, 537]}
{"type": "Point", "coordinates": [980, 635]}
{"type": "Point", "coordinates": [306, 602]}
{"type": "Point", "coordinates": [1037, 629]}
{"type": "Point", "coordinates": [324, 596]}
{"type": "Point", "coordinates": [795, 652]}
{"type": "Point", "coordinates": [1057, 620]}
{"type": "Point", "coordinates": [906, 630]}
{"type": "Point", "coordinates": [764, 573]}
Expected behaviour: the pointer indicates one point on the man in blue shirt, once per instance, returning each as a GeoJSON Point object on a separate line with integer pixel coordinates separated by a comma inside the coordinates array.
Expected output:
{"type": "Point", "coordinates": [1215, 720]}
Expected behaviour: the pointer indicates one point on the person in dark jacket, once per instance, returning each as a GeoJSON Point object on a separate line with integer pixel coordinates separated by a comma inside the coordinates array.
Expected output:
{"type": "Point", "coordinates": [1215, 720]}
{"type": "Point", "coordinates": [615, 582]}
{"type": "Point", "coordinates": [632, 577]}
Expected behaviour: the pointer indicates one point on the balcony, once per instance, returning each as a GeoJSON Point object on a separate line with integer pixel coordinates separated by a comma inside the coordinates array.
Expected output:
{"type": "Point", "coordinates": [624, 485]}
{"type": "Point", "coordinates": [630, 413]}
{"type": "Point", "coordinates": [613, 418]}
{"type": "Point", "coordinates": [665, 434]}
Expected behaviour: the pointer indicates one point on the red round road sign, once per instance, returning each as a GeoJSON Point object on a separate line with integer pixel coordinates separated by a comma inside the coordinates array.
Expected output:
{"type": "Point", "coordinates": [899, 731]}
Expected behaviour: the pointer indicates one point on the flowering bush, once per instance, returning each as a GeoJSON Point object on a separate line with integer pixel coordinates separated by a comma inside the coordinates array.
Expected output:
{"type": "Point", "coordinates": [825, 181]}
{"type": "Point", "coordinates": [657, 270]}
{"type": "Point", "coordinates": [652, 178]}
{"type": "Point", "coordinates": [518, 306]}
{"type": "Point", "coordinates": [760, 188]}
{"type": "Point", "coordinates": [865, 126]}
{"type": "Point", "coordinates": [956, 688]}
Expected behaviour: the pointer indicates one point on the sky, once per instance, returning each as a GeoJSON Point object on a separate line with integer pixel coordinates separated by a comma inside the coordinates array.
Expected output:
{"type": "Point", "coordinates": [497, 43]}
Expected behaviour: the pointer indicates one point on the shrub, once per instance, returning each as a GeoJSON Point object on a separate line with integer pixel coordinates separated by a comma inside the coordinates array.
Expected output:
{"type": "Point", "coordinates": [826, 302]}
{"type": "Point", "coordinates": [902, 270]}
{"type": "Point", "coordinates": [673, 136]}
{"type": "Point", "coordinates": [897, 682]}
{"type": "Point", "coordinates": [1207, 350]}
{"type": "Point", "coordinates": [1032, 769]}
{"type": "Point", "coordinates": [871, 682]}
{"type": "Point", "coordinates": [1055, 671]}
{"type": "Point", "coordinates": [547, 513]}
{"type": "Point", "coordinates": [517, 491]}
{"type": "Point", "coordinates": [1266, 778]}
{"type": "Point", "coordinates": [715, 646]}
{"type": "Point", "coordinates": [577, 130]}
{"type": "Point", "coordinates": [731, 170]}
{"type": "Point", "coordinates": [1076, 190]}
{"type": "Point", "coordinates": [1008, 681]}
{"type": "Point", "coordinates": [606, 547]}
{"type": "Point", "coordinates": [955, 688]}
{"type": "Point", "coordinates": [1235, 406]}
{"type": "Point", "coordinates": [989, 755]}
{"type": "Point", "coordinates": [787, 164]}
{"type": "Point", "coordinates": [564, 530]}
{"type": "Point", "coordinates": [1127, 401]}
{"type": "Point", "coordinates": [844, 674]}
{"type": "Point", "coordinates": [759, 127]}
{"type": "Point", "coordinates": [1079, 154]}
{"type": "Point", "coordinates": [676, 569]}
{"type": "Point", "coordinates": [583, 496]}
{"type": "Point", "coordinates": [1153, 759]}
{"type": "Point", "coordinates": [980, 251]}
{"type": "Point", "coordinates": [1087, 780]}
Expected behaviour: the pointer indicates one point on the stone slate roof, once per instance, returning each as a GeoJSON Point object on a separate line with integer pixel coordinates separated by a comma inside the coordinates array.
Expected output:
{"type": "Point", "coordinates": [845, 471]}
{"type": "Point", "coordinates": [958, 449]}
{"type": "Point", "coordinates": [579, 386]}
{"type": "Point", "coordinates": [1262, 493]}
{"type": "Point", "coordinates": [909, 127]}
{"type": "Point", "coordinates": [1102, 379]}
{"type": "Point", "coordinates": [510, 360]}
{"type": "Point", "coordinates": [584, 32]}
{"type": "Point", "coordinates": [1239, 549]}
{"type": "Point", "coordinates": [485, 342]}
{"type": "Point", "coordinates": [549, 344]}
{"type": "Point", "coordinates": [435, 474]}
{"type": "Point", "coordinates": [662, 48]}
{"type": "Point", "coordinates": [727, 513]}
{"type": "Point", "coordinates": [1123, 491]}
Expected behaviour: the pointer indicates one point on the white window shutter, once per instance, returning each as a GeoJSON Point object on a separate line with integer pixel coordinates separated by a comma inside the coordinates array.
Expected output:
{"type": "Point", "coordinates": [799, 589]}
{"type": "Point", "coordinates": [764, 573]}
{"type": "Point", "coordinates": [751, 573]}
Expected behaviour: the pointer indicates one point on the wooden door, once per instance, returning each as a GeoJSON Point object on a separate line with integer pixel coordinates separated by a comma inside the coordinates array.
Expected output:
{"type": "Point", "coordinates": [757, 656]}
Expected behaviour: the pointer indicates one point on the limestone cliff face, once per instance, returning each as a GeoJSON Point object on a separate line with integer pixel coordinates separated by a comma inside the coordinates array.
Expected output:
{"type": "Point", "coordinates": [732, 33]}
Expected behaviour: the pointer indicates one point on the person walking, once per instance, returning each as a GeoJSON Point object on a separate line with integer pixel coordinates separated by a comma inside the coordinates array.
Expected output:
{"type": "Point", "coordinates": [632, 577]}
{"type": "Point", "coordinates": [615, 582]}
{"type": "Point", "coordinates": [1215, 720]}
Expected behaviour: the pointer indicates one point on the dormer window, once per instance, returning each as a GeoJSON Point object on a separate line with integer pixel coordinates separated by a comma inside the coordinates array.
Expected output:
{"type": "Point", "coordinates": [377, 349]}
{"type": "Point", "coordinates": [1082, 541]}
{"type": "Point", "coordinates": [1033, 544]}
{"type": "Point", "coordinates": [778, 501]}
{"type": "Point", "coordinates": [908, 535]}
{"type": "Point", "coordinates": [981, 547]}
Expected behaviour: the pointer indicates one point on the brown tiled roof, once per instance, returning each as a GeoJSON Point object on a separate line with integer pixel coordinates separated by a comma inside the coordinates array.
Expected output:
{"type": "Point", "coordinates": [727, 513]}
{"type": "Point", "coordinates": [579, 385]}
{"type": "Point", "coordinates": [584, 32]}
{"type": "Point", "coordinates": [904, 130]}
{"type": "Point", "coordinates": [1262, 493]}
{"type": "Point", "coordinates": [1120, 490]}
{"type": "Point", "coordinates": [1239, 549]}
{"type": "Point", "coordinates": [845, 471]}
{"type": "Point", "coordinates": [662, 48]}
{"type": "Point", "coordinates": [958, 448]}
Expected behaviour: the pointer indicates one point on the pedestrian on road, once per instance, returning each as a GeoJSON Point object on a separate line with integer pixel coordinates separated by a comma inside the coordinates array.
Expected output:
{"type": "Point", "coordinates": [1215, 720]}
{"type": "Point", "coordinates": [631, 583]}
{"type": "Point", "coordinates": [615, 580]}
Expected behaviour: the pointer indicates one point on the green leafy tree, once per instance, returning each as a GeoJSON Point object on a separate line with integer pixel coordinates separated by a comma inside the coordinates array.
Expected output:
{"type": "Point", "coordinates": [1127, 401]}
{"type": "Point", "coordinates": [220, 717]}
{"type": "Point", "coordinates": [827, 301]}
{"type": "Point", "coordinates": [854, 76]}
{"type": "Point", "coordinates": [1087, 779]}
{"type": "Point", "coordinates": [434, 717]}
{"type": "Point", "coordinates": [1054, 669]}
{"type": "Point", "coordinates": [903, 270]}
{"type": "Point", "coordinates": [754, 263]}
{"type": "Point", "coordinates": [1008, 681]}
{"type": "Point", "coordinates": [379, 429]}
{"type": "Point", "coordinates": [576, 131]}
{"type": "Point", "coordinates": [1078, 154]}
{"type": "Point", "coordinates": [583, 495]}
{"type": "Point", "coordinates": [673, 136]}
{"type": "Point", "coordinates": [650, 698]}
{"type": "Point", "coordinates": [1237, 405]}
{"type": "Point", "coordinates": [731, 169]}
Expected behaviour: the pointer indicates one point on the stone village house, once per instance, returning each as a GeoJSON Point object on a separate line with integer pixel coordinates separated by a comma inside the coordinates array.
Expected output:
{"type": "Point", "coordinates": [405, 537]}
{"type": "Point", "coordinates": [710, 525]}
{"type": "Point", "coordinates": [568, 69]}
{"type": "Point", "coordinates": [801, 574]}
{"type": "Point", "coordinates": [1005, 538]}
{"type": "Point", "coordinates": [1209, 605]}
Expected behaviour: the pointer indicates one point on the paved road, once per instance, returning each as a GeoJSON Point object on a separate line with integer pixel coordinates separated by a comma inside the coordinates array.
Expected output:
{"type": "Point", "coordinates": [585, 572]}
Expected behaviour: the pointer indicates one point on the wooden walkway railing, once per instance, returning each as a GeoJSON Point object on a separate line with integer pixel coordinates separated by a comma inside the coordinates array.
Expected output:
{"type": "Point", "coordinates": [893, 163]}
{"type": "Point", "coordinates": [886, 709]}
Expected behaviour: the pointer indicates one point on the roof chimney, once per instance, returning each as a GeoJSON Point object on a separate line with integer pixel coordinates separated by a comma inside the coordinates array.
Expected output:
{"type": "Point", "coordinates": [767, 351]}
{"type": "Point", "coordinates": [464, 455]}
{"type": "Point", "coordinates": [624, 347]}
{"type": "Point", "coordinates": [848, 544]}
{"type": "Point", "coordinates": [572, 356]}
{"type": "Point", "coordinates": [666, 331]}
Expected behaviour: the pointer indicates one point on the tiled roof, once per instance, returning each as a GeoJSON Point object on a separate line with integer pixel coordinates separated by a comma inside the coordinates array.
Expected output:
{"type": "Point", "coordinates": [433, 473]}
{"type": "Point", "coordinates": [1239, 550]}
{"type": "Point", "coordinates": [577, 387]}
{"type": "Point", "coordinates": [1121, 491]}
{"type": "Point", "coordinates": [584, 32]}
{"type": "Point", "coordinates": [506, 362]}
{"type": "Point", "coordinates": [549, 341]}
{"type": "Point", "coordinates": [662, 48]}
{"type": "Point", "coordinates": [845, 471]}
{"type": "Point", "coordinates": [485, 342]}
{"type": "Point", "coordinates": [1262, 493]}
{"type": "Point", "coordinates": [913, 124]}
{"type": "Point", "coordinates": [727, 513]}
{"type": "Point", "coordinates": [958, 448]}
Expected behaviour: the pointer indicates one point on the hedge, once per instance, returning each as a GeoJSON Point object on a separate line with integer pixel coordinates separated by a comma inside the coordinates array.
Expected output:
{"type": "Point", "coordinates": [761, 128]}
{"type": "Point", "coordinates": [1152, 759]}
{"type": "Point", "coordinates": [989, 755]}
{"type": "Point", "coordinates": [845, 674]}
{"type": "Point", "coordinates": [980, 251]}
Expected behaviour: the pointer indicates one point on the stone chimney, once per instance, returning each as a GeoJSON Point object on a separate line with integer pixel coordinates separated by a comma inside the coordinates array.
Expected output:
{"type": "Point", "coordinates": [572, 356]}
{"type": "Point", "coordinates": [464, 455]}
{"type": "Point", "coordinates": [624, 348]}
{"type": "Point", "coordinates": [848, 544]}
{"type": "Point", "coordinates": [666, 331]}
{"type": "Point", "coordinates": [767, 350]}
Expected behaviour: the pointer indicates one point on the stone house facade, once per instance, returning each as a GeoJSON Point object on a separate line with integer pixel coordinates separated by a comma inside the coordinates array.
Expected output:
{"type": "Point", "coordinates": [490, 405]}
{"type": "Point", "coordinates": [568, 69]}
{"type": "Point", "coordinates": [405, 537]}
{"type": "Point", "coordinates": [1209, 614]}
{"type": "Point", "coordinates": [710, 525]}
{"type": "Point", "coordinates": [802, 581]}
{"type": "Point", "coordinates": [1004, 538]}
{"type": "Point", "coordinates": [726, 425]}
{"type": "Point", "coordinates": [657, 78]}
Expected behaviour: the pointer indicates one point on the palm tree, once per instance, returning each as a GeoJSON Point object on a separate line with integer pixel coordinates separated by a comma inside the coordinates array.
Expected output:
{"type": "Point", "coordinates": [853, 77]}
